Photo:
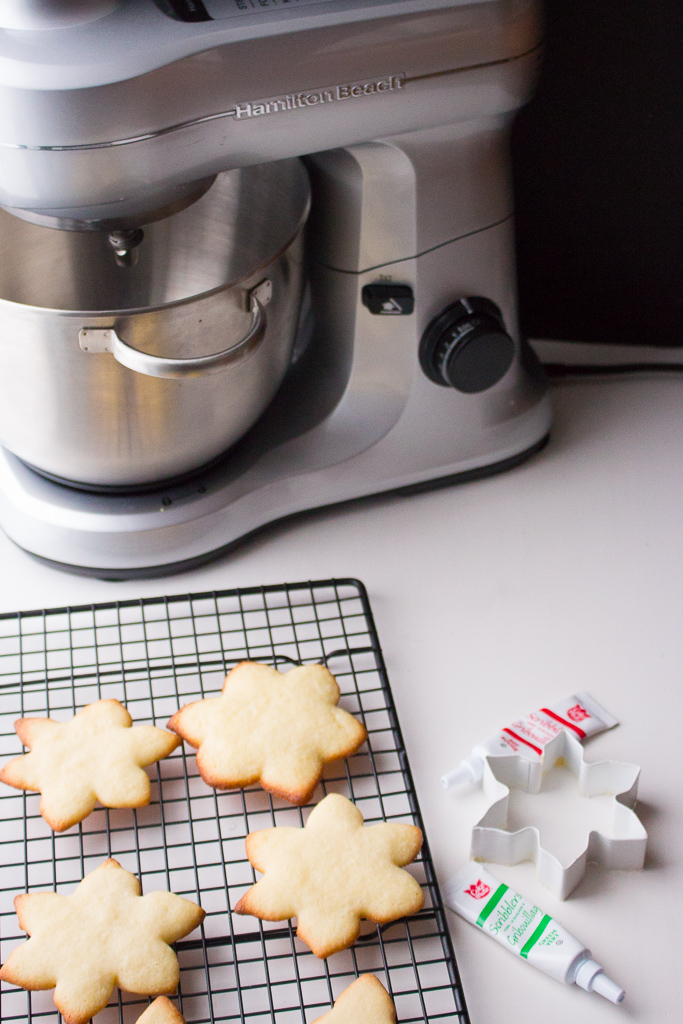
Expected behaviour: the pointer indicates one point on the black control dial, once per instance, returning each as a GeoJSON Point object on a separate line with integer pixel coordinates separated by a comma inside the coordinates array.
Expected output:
{"type": "Point", "coordinates": [466, 346]}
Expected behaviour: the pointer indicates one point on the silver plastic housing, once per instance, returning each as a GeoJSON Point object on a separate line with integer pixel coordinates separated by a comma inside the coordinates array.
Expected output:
{"type": "Point", "coordinates": [120, 111]}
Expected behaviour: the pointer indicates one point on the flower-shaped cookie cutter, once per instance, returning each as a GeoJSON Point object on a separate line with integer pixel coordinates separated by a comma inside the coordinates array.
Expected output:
{"type": "Point", "coordinates": [623, 848]}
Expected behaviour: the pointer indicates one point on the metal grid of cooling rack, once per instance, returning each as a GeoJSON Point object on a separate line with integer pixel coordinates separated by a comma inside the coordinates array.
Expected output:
{"type": "Point", "coordinates": [156, 655]}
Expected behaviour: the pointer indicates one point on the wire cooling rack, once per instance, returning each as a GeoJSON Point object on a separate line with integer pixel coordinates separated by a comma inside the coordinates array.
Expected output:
{"type": "Point", "coordinates": [156, 655]}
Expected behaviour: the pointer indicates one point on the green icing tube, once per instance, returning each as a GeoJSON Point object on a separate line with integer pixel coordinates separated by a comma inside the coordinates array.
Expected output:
{"type": "Point", "coordinates": [523, 928]}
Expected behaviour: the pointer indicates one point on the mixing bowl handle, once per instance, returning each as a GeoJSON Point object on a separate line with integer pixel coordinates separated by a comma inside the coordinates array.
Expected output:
{"type": "Point", "coordinates": [105, 339]}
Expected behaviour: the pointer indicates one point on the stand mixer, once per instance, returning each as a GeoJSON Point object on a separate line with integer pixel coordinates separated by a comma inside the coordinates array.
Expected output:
{"type": "Point", "coordinates": [399, 365]}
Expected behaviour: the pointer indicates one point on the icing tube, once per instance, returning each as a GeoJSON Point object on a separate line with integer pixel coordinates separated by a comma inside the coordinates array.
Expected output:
{"type": "Point", "coordinates": [579, 714]}
{"type": "Point", "coordinates": [523, 928]}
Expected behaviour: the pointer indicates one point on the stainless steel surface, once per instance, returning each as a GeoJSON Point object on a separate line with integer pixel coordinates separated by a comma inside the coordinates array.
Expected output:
{"type": "Point", "coordinates": [88, 419]}
{"type": "Point", "coordinates": [97, 340]}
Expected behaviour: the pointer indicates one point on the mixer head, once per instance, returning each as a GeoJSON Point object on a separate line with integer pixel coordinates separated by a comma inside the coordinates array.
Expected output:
{"type": "Point", "coordinates": [33, 15]}
{"type": "Point", "coordinates": [124, 215]}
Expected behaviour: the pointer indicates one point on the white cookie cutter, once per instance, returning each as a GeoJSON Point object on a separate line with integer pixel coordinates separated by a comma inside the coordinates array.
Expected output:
{"type": "Point", "coordinates": [623, 849]}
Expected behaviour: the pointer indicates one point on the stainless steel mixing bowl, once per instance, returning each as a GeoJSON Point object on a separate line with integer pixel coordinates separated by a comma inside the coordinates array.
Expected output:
{"type": "Point", "coordinates": [118, 376]}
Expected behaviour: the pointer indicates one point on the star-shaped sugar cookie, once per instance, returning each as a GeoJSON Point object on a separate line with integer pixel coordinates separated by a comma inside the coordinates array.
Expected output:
{"type": "Point", "coordinates": [162, 1011]}
{"type": "Point", "coordinates": [271, 727]}
{"type": "Point", "coordinates": [104, 934]}
{"type": "Point", "coordinates": [97, 755]}
{"type": "Point", "coordinates": [366, 1001]}
{"type": "Point", "coordinates": [332, 873]}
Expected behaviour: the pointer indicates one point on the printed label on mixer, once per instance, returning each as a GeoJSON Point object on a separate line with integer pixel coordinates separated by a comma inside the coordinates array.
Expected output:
{"type": "Point", "coordinates": [231, 8]}
{"type": "Point", "coordinates": [317, 97]}
{"type": "Point", "coordinates": [217, 10]}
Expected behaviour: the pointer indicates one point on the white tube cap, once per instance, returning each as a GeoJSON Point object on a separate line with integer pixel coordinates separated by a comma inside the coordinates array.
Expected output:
{"type": "Point", "coordinates": [591, 977]}
{"type": "Point", "coordinates": [469, 770]}
{"type": "Point", "coordinates": [604, 986]}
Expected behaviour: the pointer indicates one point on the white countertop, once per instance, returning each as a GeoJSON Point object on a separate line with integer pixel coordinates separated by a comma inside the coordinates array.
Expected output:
{"type": "Point", "coordinates": [492, 599]}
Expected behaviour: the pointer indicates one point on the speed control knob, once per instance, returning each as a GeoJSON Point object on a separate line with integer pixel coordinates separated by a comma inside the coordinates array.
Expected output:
{"type": "Point", "coordinates": [466, 346]}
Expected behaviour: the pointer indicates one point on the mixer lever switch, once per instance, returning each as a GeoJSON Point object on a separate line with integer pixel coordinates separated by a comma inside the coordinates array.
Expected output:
{"type": "Point", "coordinates": [388, 299]}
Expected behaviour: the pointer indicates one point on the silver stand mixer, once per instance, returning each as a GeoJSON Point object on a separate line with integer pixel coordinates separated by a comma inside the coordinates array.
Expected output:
{"type": "Point", "coordinates": [186, 352]}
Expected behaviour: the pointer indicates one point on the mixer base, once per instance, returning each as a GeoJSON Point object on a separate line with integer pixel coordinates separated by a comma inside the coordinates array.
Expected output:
{"type": "Point", "coordinates": [132, 572]}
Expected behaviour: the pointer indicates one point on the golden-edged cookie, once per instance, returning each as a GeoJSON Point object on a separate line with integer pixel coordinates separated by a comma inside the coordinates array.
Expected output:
{"type": "Point", "coordinates": [332, 873]}
{"type": "Point", "coordinates": [366, 1001]}
{"type": "Point", "coordinates": [104, 934]}
{"type": "Point", "coordinates": [162, 1011]}
{"type": "Point", "coordinates": [97, 755]}
{"type": "Point", "coordinates": [276, 728]}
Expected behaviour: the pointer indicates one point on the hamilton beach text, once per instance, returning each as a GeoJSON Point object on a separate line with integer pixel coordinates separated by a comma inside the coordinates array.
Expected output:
{"type": "Point", "coordinates": [317, 97]}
